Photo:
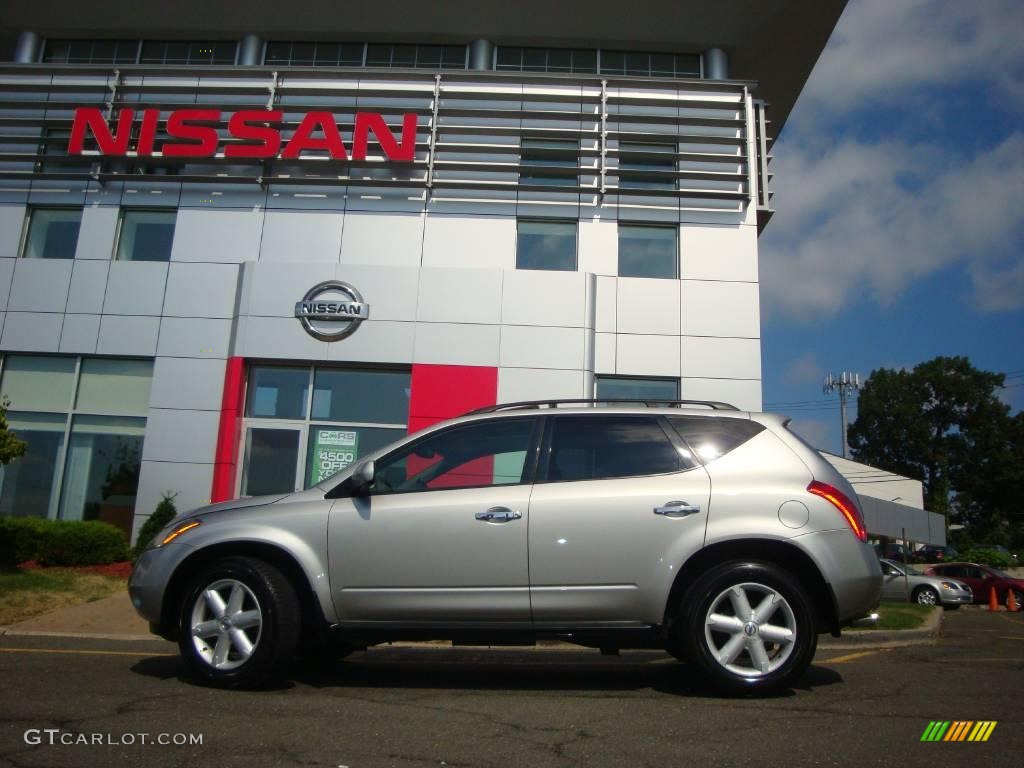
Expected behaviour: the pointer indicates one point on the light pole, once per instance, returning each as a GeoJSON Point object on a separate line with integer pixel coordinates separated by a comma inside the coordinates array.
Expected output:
{"type": "Point", "coordinates": [844, 383]}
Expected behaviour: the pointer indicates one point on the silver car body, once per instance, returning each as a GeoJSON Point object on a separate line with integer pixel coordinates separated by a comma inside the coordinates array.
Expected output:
{"type": "Point", "coordinates": [586, 554]}
{"type": "Point", "coordinates": [901, 582]}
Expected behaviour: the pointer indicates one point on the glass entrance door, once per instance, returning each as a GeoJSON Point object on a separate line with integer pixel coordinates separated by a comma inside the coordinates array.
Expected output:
{"type": "Point", "coordinates": [271, 460]}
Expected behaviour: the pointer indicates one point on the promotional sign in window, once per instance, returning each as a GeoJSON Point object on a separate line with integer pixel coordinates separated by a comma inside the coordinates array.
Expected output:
{"type": "Point", "coordinates": [330, 451]}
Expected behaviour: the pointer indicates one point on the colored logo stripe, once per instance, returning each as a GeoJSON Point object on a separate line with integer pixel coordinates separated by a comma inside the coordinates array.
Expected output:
{"type": "Point", "coordinates": [959, 730]}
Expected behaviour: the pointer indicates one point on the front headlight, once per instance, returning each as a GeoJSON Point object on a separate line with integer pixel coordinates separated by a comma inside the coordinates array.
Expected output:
{"type": "Point", "coordinates": [176, 531]}
{"type": "Point", "coordinates": [949, 585]}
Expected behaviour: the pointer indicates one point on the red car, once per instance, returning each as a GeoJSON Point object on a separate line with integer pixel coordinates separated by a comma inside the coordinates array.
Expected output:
{"type": "Point", "coordinates": [981, 579]}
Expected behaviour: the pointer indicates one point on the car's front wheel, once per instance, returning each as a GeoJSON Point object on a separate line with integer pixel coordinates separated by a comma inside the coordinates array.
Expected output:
{"type": "Point", "coordinates": [926, 596]}
{"type": "Point", "coordinates": [240, 624]}
{"type": "Point", "coordinates": [747, 627]}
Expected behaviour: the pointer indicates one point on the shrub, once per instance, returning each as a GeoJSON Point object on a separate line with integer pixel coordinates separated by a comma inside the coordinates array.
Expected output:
{"type": "Point", "coordinates": [163, 514]}
{"type": "Point", "coordinates": [986, 556]}
{"type": "Point", "coordinates": [60, 542]}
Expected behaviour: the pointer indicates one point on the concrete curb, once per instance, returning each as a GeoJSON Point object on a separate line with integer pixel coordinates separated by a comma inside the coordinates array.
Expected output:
{"type": "Point", "coordinates": [881, 638]}
{"type": "Point", "coordinates": [12, 632]}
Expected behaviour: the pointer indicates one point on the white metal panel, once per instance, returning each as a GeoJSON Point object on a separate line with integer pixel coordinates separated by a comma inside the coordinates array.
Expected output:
{"type": "Point", "coordinates": [12, 219]}
{"type": "Point", "coordinates": [745, 394]}
{"type": "Point", "coordinates": [391, 292]}
{"type": "Point", "coordinates": [648, 306]}
{"type": "Point", "coordinates": [182, 382]}
{"type": "Point", "coordinates": [135, 288]}
{"type": "Point", "coordinates": [460, 296]}
{"type": "Point", "coordinates": [721, 358]}
{"type": "Point", "coordinates": [456, 344]}
{"type": "Point", "coordinates": [604, 354]}
{"type": "Point", "coordinates": [543, 347]}
{"type": "Point", "coordinates": [469, 241]}
{"type": "Point", "coordinates": [301, 236]}
{"type": "Point", "coordinates": [98, 232]}
{"type": "Point", "coordinates": [201, 290]}
{"type": "Point", "coordinates": [31, 332]}
{"type": "Point", "coordinates": [539, 297]}
{"type": "Point", "coordinates": [174, 434]}
{"type": "Point", "coordinates": [598, 247]}
{"type": "Point", "coordinates": [719, 252]}
{"type": "Point", "coordinates": [6, 278]}
{"type": "Point", "coordinates": [217, 235]}
{"type": "Point", "coordinates": [713, 308]}
{"type": "Point", "coordinates": [40, 285]}
{"type": "Point", "coordinates": [376, 341]}
{"type": "Point", "coordinates": [274, 287]}
{"type": "Point", "coordinates": [281, 337]}
{"type": "Point", "coordinates": [516, 384]}
{"type": "Point", "coordinates": [194, 337]}
{"type": "Point", "coordinates": [128, 335]}
{"type": "Point", "coordinates": [88, 286]}
{"type": "Point", "coordinates": [80, 334]}
{"type": "Point", "coordinates": [607, 304]}
{"type": "Point", "coordinates": [646, 355]}
{"type": "Point", "coordinates": [384, 239]}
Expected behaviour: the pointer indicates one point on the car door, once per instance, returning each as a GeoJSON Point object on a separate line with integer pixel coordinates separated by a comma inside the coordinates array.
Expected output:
{"type": "Point", "coordinates": [893, 587]}
{"type": "Point", "coordinates": [440, 536]}
{"type": "Point", "coordinates": [616, 508]}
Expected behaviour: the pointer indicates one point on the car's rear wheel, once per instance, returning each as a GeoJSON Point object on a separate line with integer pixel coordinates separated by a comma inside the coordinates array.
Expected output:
{"type": "Point", "coordinates": [926, 596]}
{"type": "Point", "coordinates": [239, 624]}
{"type": "Point", "coordinates": [747, 627]}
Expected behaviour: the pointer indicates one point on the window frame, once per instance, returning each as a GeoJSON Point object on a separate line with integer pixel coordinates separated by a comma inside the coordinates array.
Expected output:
{"type": "Point", "coordinates": [124, 212]}
{"type": "Point", "coordinates": [675, 257]}
{"type": "Point", "coordinates": [530, 462]}
{"type": "Point", "coordinates": [576, 242]}
{"type": "Point", "coordinates": [532, 166]}
{"type": "Point", "coordinates": [26, 231]}
{"type": "Point", "coordinates": [544, 459]}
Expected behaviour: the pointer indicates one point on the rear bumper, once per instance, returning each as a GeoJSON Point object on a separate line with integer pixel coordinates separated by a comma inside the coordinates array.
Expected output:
{"type": "Point", "coordinates": [851, 570]}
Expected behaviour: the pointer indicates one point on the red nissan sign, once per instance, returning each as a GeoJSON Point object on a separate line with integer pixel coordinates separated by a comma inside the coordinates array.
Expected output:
{"type": "Point", "coordinates": [194, 134]}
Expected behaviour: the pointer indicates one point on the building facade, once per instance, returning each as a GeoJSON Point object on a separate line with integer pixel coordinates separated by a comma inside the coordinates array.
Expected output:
{"type": "Point", "coordinates": [230, 264]}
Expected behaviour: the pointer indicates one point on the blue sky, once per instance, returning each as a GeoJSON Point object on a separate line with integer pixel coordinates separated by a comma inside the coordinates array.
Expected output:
{"type": "Point", "coordinates": [899, 196]}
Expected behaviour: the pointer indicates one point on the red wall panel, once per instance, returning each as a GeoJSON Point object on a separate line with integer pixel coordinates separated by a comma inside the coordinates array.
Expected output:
{"type": "Point", "coordinates": [225, 468]}
{"type": "Point", "coordinates": [440, 392]}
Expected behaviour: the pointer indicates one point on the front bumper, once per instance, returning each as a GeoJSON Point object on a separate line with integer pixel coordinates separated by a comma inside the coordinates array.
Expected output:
{"type": "Point", "coordinates": [948, 597]}
{"type": "Point", "coordinates": [150, 577]}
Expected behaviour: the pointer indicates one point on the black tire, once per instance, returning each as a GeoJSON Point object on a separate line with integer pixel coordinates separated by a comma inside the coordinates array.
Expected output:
{"type": "Point", "coordinates": [926, 596]}
{"type": "Point", "coordinates": [695, 639]}
{"type": "Point", "coordinates": [272, 640]}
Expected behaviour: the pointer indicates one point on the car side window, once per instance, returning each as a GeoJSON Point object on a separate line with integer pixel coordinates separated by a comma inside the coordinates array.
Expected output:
{"type": "Point", "coordinates": [713, 437]}
{"type": "Point", "coordinates": [888, 570]}
{"type": "Point", "coordinates": [951, 570]}
{"type": "Point", "coordinates": [600, 447]}
{"type": "Point", "coordinates": [475, 455]}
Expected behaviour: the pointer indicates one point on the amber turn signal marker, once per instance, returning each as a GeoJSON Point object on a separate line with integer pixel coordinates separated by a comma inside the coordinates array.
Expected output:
{"type": "Point", "coordinates": [178, 531]}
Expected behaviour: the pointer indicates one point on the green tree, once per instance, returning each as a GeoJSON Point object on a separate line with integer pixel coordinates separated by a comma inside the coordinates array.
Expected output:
{"type": "Point", "coordinates": [10, 446]}
{"type": "Point", "coordinates": [943, 424]}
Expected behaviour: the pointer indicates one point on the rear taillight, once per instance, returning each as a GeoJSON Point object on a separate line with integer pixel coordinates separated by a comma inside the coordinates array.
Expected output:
{"type": "Point", "coordinates": [838, 499]}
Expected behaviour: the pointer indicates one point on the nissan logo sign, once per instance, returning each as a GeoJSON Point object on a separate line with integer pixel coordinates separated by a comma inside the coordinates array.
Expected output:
{"type": "Point", "coordinates": [331, 310]}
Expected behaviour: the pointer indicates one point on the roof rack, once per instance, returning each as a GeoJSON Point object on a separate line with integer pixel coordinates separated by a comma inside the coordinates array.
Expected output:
{"type": "Point", "coordinates": [528, 404]}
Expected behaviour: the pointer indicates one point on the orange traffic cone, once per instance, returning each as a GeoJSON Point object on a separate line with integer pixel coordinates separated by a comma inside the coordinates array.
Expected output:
{"type": "Point", "coordinates": [1011, 602]}
{"type": "Point", "coordinates": [993, 603]}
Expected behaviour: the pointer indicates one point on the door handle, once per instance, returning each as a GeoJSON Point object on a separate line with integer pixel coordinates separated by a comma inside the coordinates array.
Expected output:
{"type": "Point", "coordinates": [677, 509]}
{"type": "Point", "coordinates": [498, 515]}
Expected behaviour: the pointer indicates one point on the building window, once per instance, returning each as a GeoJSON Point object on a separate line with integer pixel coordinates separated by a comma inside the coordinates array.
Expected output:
{"type": "Point", "coordinates": [304, 424]}
{"type": "Point", "coordinates": [84, 422]}
{"type": "Point", "coordinates": [53, 149]}
{"type": "Point", "coordinates": [546, 245]}
{"type": "Point", "coordinates": [646, 251]}
{"type": "Point", "coordinates": [419, 56]}
{"type": "Point", "coordinates": [647, 166]}
{"type": "Point", "coordinates": [636, 388]}
{"type": "Point", "coordinates": [298, 54]}
{"type": "Point", "coordinates": [146, 235]}
{"type": "Point", "coordinates": [549, 162]}
{"type": "Point", "coordinates": [546, 60]}
{"type": "Point", "coordinates": [91, 51]}
{"type": "Point", "coordinates": [52, 233]}
{"type": "Point", "coordinates": [650, 64]}
{"type": "Point", "coordinates": [188, 52]}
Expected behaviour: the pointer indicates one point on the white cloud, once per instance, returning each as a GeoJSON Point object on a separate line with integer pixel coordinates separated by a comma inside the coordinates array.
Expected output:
{"type": "Point", "coordinates": [861, 218]}
{"type": "Point", "coordinates": [803, 370]}
{"type": "Point", "coordinates": [886, 51]}
{"type": "Point", "coordinates": [818, 433]}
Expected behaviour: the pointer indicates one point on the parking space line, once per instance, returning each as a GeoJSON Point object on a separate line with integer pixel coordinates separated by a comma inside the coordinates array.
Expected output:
{"type": "Point", "coordinates": [852, 656]}
{"type": "Point", "coordinates": [83, 653]}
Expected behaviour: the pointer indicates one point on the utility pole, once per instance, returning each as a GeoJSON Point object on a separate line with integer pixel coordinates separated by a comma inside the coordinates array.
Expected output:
{"type": "Point", "coordinates": [845, 382]}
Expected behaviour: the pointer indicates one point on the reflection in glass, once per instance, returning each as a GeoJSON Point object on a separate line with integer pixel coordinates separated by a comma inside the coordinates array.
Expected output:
{"type": "Point", "coordinates": [330, 449]}
{"type": "Point", "coordinates": [634, 388]}
{"type": "Point", "coordinates": [101, 472]}
{"type": "Point", "coordinates": [28, 483]}
{"type": "Point", "coordinates": [376, 397]}
{"type": "Point", "coordinates": [648, 252]}
{"type": "Point", "coordinates": [277, 392]}
{"type": "Point", "coordinates": [271, 458]}
{"type": "Point", "coordinates": [110, 385]}
{"type": "Point", "coordinates": [146, 235]}
{"type": "Point", "coordinates": [547, 245]}
{"type": "Point", "coordinates": [53, 233]}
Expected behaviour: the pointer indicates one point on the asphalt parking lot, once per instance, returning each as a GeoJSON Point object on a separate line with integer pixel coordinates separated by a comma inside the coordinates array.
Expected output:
{"type": "Point", "coordinates": [471, 707]}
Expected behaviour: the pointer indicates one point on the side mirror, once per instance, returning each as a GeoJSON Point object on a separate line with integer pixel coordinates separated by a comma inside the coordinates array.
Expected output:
{"type": "Point", "coordinates": [362, 478]}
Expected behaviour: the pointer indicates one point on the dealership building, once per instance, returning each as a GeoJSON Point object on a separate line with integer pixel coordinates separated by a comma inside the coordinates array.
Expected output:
{"type": "Point", "coordinates": [235, 259]}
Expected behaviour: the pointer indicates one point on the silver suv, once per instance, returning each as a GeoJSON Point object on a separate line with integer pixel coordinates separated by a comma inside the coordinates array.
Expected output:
{"type": "Point", "coordinates": [715, 534]}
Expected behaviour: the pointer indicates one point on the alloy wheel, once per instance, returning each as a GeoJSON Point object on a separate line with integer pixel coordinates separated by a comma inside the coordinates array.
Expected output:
{"type": "Point", "coordinates": [750, 629]}
{"type": "Point", "coordinates": [226, 624]}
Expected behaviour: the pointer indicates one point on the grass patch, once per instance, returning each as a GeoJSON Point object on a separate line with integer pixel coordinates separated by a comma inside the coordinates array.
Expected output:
{"type": "Point", "coordinates": [900, 616]}
{"type": "Point", "coordinates": [28, 593]}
